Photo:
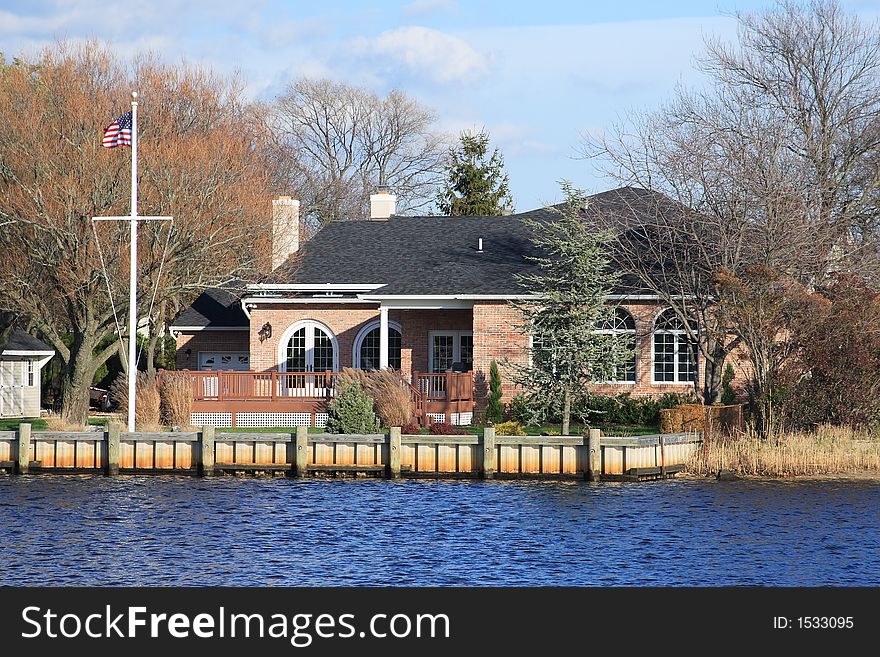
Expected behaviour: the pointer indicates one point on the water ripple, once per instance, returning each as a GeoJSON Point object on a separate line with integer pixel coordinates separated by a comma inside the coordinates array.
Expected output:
{"type": "Point", "coordinates": [238, 531]}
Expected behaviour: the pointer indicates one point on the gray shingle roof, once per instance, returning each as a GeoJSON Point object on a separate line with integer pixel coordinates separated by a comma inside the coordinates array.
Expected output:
{"type": "Point", "coordinates": [214, 308]}
{"type": "Point", "coordinates": [23, 341]}
{"type": "Point", "coordinates": [438, 255]}
{"type": "Point", "coordinates": [425, 255]}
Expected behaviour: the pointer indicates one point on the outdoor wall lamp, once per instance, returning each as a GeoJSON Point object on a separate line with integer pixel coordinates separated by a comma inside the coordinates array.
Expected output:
{"type": "Point", "coordinates": [265, 332]}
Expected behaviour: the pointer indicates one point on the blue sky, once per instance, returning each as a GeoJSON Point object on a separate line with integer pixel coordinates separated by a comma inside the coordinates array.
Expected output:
{"type": "Point", "coordinates": [536, 75]}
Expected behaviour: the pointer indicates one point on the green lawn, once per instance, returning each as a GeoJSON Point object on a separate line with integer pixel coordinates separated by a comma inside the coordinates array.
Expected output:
{"type": "Point", "coordinates": [37, 424]}
{"type": "Point", "coordinates": [552, 429]}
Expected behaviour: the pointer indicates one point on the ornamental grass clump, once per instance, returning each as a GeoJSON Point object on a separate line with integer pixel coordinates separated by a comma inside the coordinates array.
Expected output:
{"type": "Point", "coordinates": [392, 402]}
{"type": "Point", "coordinates": [146, 400]}
{"type": "Point", "coordinates": [175, 392]}
{"type": "Point", "coordinates": [352, 411]}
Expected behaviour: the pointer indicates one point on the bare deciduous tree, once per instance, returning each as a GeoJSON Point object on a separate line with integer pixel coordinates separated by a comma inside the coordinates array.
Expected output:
{"type": "Point", "coordinates": [340, 142]}
{"type": "Point", "coordinates": [774, 165]}
{"type": "Point", "coordinates": [197, 162]}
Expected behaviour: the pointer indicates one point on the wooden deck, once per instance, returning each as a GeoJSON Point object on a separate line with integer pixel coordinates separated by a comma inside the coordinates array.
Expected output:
{"type": "Point", "coordinates": [301, 398]}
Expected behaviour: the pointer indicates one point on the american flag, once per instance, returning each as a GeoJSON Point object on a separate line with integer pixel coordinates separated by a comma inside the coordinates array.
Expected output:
{"type": "Point", "coordinates": [118, 133]}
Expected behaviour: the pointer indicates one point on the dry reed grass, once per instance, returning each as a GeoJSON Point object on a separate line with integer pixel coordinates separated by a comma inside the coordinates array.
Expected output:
{"type": "Point", "coordinates": [56, 423]}
{"type": "Point", "coordinates": [175, 392]}
{"type": "Point", "coordinates": [827, 451]}
{"type": "Point", "coordinates": [391, 400]}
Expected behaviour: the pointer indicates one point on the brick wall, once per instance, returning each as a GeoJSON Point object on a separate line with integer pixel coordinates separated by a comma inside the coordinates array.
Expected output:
{"type": "Point", "coordinates": [346, 321]}
{"type": "Point", "coordinates": [496, 336]}
{"type": "Point", "coordinates": [207, 341]}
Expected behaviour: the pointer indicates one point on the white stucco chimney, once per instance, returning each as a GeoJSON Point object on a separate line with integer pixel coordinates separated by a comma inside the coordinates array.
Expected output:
{"type": "Point", "coordinates": [285, 229]}
{"type": "Point", "coordinates": [382, 205]}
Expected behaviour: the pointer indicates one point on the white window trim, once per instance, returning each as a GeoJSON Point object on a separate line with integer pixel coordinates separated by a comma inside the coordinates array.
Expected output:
{"type": "Point", "coordinates": [676, 333]}
{"type": "Point", "coordinates": [359, 338]}
{"type": "Point", "coordinates": [456, 345]}
{"type": "Point", "coordinates": [293, 328]}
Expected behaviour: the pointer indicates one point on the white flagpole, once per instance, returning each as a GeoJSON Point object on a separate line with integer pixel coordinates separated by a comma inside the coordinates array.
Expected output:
{"type": "Point", "coordinates": [132, 283]}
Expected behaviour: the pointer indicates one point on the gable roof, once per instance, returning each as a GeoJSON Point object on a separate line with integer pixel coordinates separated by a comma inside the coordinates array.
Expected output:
{"type": "Point", "coordinates": [214, 309]}
{"type": "Point", "coordinates": [437, 255]}
{"type": "Point", "coordinates": [21, 342]}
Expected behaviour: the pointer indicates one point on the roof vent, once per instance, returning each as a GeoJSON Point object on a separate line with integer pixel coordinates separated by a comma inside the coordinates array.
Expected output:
{"type": "Point", "coordinates": [480, 245]}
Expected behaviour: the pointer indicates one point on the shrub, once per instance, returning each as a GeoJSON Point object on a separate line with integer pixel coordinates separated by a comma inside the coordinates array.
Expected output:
{"type": "Point", "coordinates": [494, 407]}
{"type": "Point", "coordinates": [411, 428]}
{"type": "Point", "coordinates": [509, 429]}
{"type": "Point", "coordinates": [391, 398]}
{"type": "Point", "coordinates": [446, 429]}
{"type": "Point", "coordinates": [351, 411]}
{"type": "Point", "coordinates": [519, 411]}
{"type": "Point", "coordinates": [175, 393]}
{"type": "Point", "coordinates": [728, 396]}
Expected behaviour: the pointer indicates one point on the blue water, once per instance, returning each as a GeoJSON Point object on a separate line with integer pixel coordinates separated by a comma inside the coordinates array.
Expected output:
{"type": "Point", "coordinates": [91, 530]}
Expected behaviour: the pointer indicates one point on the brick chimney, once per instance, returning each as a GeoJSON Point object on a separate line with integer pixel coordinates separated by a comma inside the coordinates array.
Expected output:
{"type": "Point", "coordinates": [382, 204]}
{"type": "Point", "coordinates": [285, 229]}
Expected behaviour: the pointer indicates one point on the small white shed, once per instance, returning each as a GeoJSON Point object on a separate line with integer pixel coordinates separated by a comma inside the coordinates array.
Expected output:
{"type": "Point", "coordinates": [21, 361]}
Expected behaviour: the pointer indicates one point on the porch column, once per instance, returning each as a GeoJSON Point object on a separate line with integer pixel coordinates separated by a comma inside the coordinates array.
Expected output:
{"type": "Point", "coordinates": [383, 337]}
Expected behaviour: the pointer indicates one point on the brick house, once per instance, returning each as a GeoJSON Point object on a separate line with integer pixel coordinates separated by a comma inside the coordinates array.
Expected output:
{"type": "Point", "coordinates": [427, 296]}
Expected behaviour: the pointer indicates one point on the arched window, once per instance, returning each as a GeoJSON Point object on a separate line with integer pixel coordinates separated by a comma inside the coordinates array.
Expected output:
{"type": "Point", "coordinates": [675, 356]}
{"type": "Point", "coordinates": [308, 346]}
{"type": "Point", "coordinates": [366, 347]}
{"type": "Point", "coordinates": [622, 324]}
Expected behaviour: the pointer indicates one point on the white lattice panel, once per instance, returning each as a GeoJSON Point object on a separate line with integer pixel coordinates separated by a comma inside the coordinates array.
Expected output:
{"type": "Point", "coordinates": [211, 419]}
{"type": "Point", "coordinates": [462, 418]}
{"type": "Point", "coordinates": [273, 419]}
{"type": "Point", "coordinates": [436, 417]}
{"type": "Point", "coordinates": [321, 419]}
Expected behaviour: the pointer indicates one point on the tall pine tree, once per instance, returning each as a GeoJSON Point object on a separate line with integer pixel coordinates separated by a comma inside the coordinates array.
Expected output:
{"type": "Point", "coordinates": [569, 290]}
{"type": "Point", "coordinates": [476, 184]}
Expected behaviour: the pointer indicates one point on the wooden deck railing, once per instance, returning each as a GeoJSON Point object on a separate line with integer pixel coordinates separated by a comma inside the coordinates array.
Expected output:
{"type": "Point", "coordinates": [263, 386]}
{"type": "Point", "coordinates": [433, 394]}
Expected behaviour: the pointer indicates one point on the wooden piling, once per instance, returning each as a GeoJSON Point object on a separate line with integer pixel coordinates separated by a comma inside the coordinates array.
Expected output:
{"type": "Point", "coordinates": [301, 452]}
{"type": "Point", "coordinates": [594, 456]}
{"type": "Point", "coordinates": [662, 456]}
{"type": "Point", "coordinates": [206, 452]}
{"type": "Point", "coordinates": [24, 447]}
{"type": "Point", "coordinates": [394, 453]}
{"type": "Point", "coordinates": [114, 429]}
{"type": "Point", "coordinates": [488, 448]}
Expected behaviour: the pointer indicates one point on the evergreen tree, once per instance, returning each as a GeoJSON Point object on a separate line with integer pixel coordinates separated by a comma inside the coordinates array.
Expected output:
{"type": "Point", "coordinates": [494, 408]}
{"type": "Point", "coordinates": [570, 285]}
{"type": "Point", "coordinates": [476, 184]}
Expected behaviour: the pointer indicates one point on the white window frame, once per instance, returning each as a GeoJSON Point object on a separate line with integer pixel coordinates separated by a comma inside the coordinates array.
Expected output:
{"type": "Point", "coordinates": [310, 343]}
{"type": "Point", "coordinates": [356, 354]}
{"type": "Point", "coordinates": [676, 333]}
{"type": "Point", "coordinates": [30, 373]}
{"type": "Point", "coordinates": [456, 345]}
{"type": "Point", "coordinates": [633, 333]}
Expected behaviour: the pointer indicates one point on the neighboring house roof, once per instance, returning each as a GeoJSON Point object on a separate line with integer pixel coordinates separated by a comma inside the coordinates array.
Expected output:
{"type": "Point", "coordinates": [214, 309]}
{"type": "Point", "coordinates": [439, 255]}
{"type": "Point", "coordinates": [21, 343]}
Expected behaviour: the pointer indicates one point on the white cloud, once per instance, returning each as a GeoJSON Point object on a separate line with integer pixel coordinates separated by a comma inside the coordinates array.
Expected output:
{"type": "Point", "coordinates": [422, 7]}
{"type": "Point", "coordinates": [423, 51]}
